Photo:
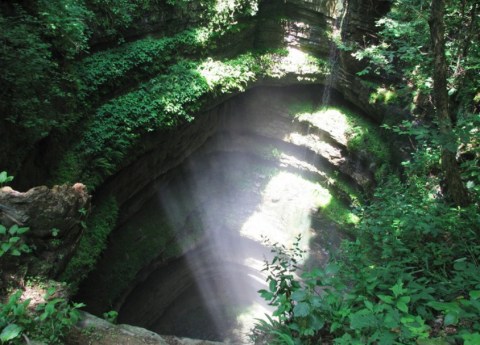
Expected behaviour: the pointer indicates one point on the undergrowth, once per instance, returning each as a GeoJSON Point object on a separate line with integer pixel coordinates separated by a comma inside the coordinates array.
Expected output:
{"type": "Point", "coordinates": [47, 321]}
{"type": "Point", "coordinates": [411, 276]}
{"type": "Point", "coordinates": [21, 319]}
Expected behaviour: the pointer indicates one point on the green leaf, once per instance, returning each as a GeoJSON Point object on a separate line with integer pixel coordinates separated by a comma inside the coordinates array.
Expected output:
{"type": "Point", "coordinates": [474, 294]}
{"type": "Point", "coordinates": [392, 319]}
{"type": "Point", "coordinates": [43, 316]}
{"type": "Point", "coordinates": [316, 322]}
{"type": "Point", "coordinates": [385, 298]}
{"type": "Point", "coordinates": [402, 306]}
{"type": "Point", "coordinates": [3, 230]}
{"type": "Point", "coordinates": [368, 304]}
{"type": "Point", "coordinates": [5, 246]}
{"type": "Point", "coordinates": [50, 308]}
{"type": "Point", "coordinates": [23, 230]}
{"type": "Point", "coordinates": [299, 295]}
{"type": "Point", "coordinates": [13, 229]}
{"type": "Point", "coordinates": [471, 339]}
{"type": "Point", "coordinates": [445, 306]}
{"type": "Point", "coordinates": [285, 338]}
{"type": "Point", "coordinates": [272, 286]}
{"type": "Point", "coordinates": [451, 319]}
{"type": "Point", "coordinates": [470, 184]}
{"type": "Point", "coordinates": [10, 332]}
{"type": "Point", "coordinates": [385, 338]}
{"type": "Point", "coordinates": [397, 289]}
{"type": "Point", "coordinates": [14, 239]}
{"type": "Point", "coordinates": [332, 269]}
{"type": "Point", "coordinates": [3, 177]}
{"type": "Point", "coordinates": [266, 295]}
{"type": "Point", "coordinates": [301, 309]}
{"type": "Point", "coordinates": [362, 319]}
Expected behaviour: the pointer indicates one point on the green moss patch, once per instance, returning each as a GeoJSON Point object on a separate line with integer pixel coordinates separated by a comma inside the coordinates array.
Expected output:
{"type": "Point", "coordinates": [93, 242]}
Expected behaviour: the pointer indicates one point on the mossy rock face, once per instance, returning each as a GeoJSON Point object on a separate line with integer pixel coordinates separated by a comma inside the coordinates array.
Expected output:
{"type": "Point", "coordinates": [92, 243]}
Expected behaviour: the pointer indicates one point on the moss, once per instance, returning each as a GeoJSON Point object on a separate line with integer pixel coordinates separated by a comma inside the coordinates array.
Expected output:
{"type": "Point", "coordinates": [93, 242]}
{"type": "Point", "coordinates": [383, 95]}
{"type": "Point", "coordinates": [68, 169]}
{"type": "Point", "coordinates": [340, 213]}
{"type": "Point", "coordinates": [300, 107]}
{"type": "Point", "coordinates": [364, 137]}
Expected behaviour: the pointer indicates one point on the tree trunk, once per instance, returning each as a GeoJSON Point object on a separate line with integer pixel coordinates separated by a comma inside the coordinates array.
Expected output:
{"type": "Point", "coordinates": [455, 189]}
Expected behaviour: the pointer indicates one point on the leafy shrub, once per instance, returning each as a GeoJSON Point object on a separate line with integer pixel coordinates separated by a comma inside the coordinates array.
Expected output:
{"type": "Point", "coordinates": [48, 322]}
{"type": "Point", "coordinates": [412, 273]}
{"type": "Point", "coordinates": [110, 69]}
{"type": "Point", "coordinates": [11, 242]}
{"type": "Point", "coordinates": [65, 23]}
{"type": "Point", "coordinates": [29, 76]}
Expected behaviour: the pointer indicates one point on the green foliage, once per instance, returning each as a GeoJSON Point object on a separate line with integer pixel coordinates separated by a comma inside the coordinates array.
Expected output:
{"type": "Point", "coordinates": [366, 139]}
{"type": "Point", "coordinates": [401, 52]}
{"type": "Point", "coordinates": [35, 97]}
{"type": "Point", "coordinates": [11, 241]}
{"type": "Point", "coordinates": [65, 23]}
{"type": "Point", "coordinates": [414, 261]}
{"type": "Point", "coordinates": [47, 322]}
{"type": "Point", "coordinates": [163, 102]}
{"type": "Point", "coordinates": [45, 91]}
{"type": "Point", "coordinates": [116, 15]}
{"type": "Point", "coordinates": [297, 321]}
{"type": "Point", "coordinates": [469, 147]}
{"type": "Point", "coordinates": [281, 279]}
{"type": "Point", "coordinates": [93, 242]}
{"type": "Point", "coordinates": [29, 76]}
{"type": "Point", "coordinates": [110, 316]}
{"type": "Point", "coordinates": [5, 178]}
{"type": "Point", "coordinates": [109, 69]}
{"type": "Point", "coordinates": [463, 140]}
{"type": "Point", "coordinates": [338, 212]}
